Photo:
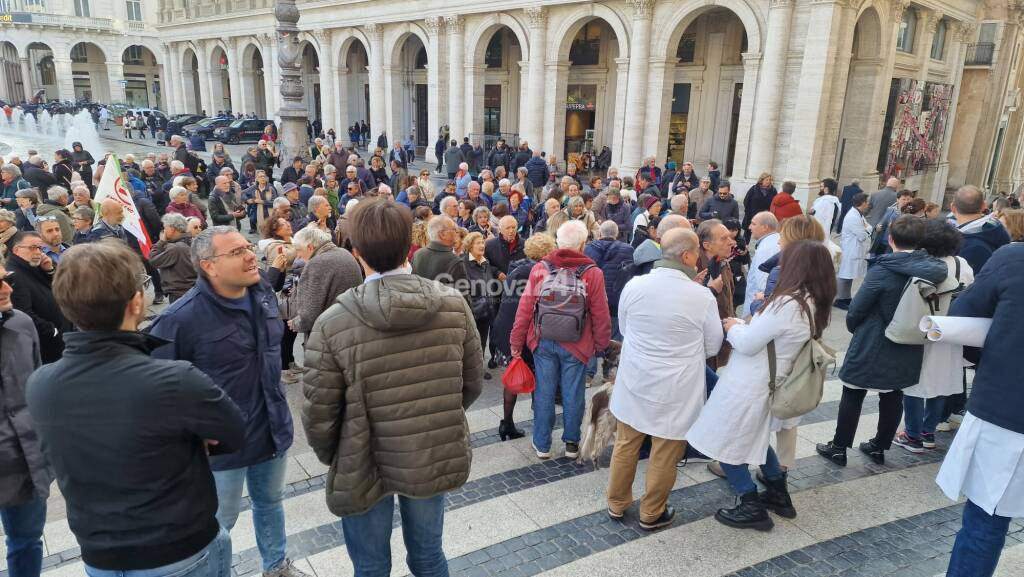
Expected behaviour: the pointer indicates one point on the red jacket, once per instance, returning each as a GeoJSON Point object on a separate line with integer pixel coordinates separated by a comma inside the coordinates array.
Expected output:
{"type": "Point", "coordinates": [785, 206]}
{"type": "Point", "coordinates": [597, 327]}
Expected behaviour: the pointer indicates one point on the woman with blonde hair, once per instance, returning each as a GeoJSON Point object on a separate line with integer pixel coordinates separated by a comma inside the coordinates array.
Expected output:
{"type": "Point", "coordinates": [758, 199]}
{"type": "Point", "coordinates": [1013, 220]}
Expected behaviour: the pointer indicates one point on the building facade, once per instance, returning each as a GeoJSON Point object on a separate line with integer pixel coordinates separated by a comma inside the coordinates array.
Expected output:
{"type": "Point", "coordinates": [800, 89]}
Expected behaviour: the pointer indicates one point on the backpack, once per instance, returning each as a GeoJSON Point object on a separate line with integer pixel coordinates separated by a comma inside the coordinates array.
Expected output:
{"type": "Point", "coordinates": [799, 392]}
{"type": "Point", "coordinates": [920, 299]}
{"type": "Point", "coordinates": [562, 304]}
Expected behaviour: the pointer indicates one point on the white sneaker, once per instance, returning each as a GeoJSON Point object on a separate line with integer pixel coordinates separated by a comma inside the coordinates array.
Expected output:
{"type": "Point", "coordinates": [541, 454]}
{"type": "Point", "coordinates": [947, 426]}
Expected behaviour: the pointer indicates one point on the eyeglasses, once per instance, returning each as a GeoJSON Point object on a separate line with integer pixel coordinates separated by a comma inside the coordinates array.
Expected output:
{"type": "Point", "coordinates": [31, 247]}
{"type": "Point", "coordinates": [236, 253]}
{"type": "Point", "coordinates": [145, 281]}
{"type": "Point", "coordinates": [48, 218]}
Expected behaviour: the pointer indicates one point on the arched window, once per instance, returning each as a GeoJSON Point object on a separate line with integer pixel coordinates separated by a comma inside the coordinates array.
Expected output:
{"type": "Point", "coordinates": [82, 8]}
{"type": "Point", "coordinates": [908, 31]}
{"type": "Point", "coordinates": [939, 41]}
{"type": "Point", "coordinates": [586, 47]}
{"type": "Point", "coordinates": [421, 59]}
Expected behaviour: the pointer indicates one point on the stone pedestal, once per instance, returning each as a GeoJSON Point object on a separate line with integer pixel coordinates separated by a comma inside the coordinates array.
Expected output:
{"type": "Point", "coordinates": [292, 137]}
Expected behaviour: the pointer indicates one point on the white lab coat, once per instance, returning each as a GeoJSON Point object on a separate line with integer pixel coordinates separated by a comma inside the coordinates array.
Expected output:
{"type": "Point", "coordinates": [826, 207]}
{"type": "Point", "coordinates": [856, 241]}
{"type": "Point", "coordinates": [764, 249]}
{"type": "Point", "coordinates": [736, 422]}
{"type": "Point", "coordinates": [942, 365]}
{"type": "Point", "coordinates": [659, 387]}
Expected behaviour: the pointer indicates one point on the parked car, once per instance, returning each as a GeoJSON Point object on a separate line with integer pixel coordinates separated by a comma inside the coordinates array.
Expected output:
{"type": "Point", "coordinates": [176, 124]}
{"type": "Point", "coordinates": [206, 126]}
{"type": "Point", "coordinates": [242, 130]}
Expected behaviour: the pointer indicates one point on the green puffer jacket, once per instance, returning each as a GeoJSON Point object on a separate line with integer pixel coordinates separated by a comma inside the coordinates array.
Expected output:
{"type": "Point", "coordinates": [390, 369]}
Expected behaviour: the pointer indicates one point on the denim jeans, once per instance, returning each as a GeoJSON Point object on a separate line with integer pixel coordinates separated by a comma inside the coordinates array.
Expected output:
{"type": "Point", "coordinates": [921, 415]}
{"type": "Point", "coordinates": [978, 544]}
{"type": "Point", "coordinates": [266, 489]}
{"type": "Point", "coordinates": [23, 526]}
{"type": "Point", "coordinates": [739, 475]}
{"type": "Point", "coordinates": [368, 537]}
{"type": "Point", "coordinates": [557, 367]}
{"type": "Point", "coordinates": [213, 561]}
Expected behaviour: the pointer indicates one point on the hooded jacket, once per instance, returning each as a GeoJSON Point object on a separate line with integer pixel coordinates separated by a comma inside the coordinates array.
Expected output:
{"type": "Point", "coordinates": [395, 427]}
{"type": "Point", "coordinates": [873, 361]}
{"type": "Point", "coordinates": [981, 238]}
{"type": "Point", "coordinates": [597, 327]}
{"type": "Point", "coordinates": [610, 255]}
{"type": "Point", "coordinates": [785, 206]}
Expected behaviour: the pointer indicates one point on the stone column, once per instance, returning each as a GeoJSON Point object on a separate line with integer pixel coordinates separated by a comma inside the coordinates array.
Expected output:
{"type": "Point", "coordinates": [659, 106]}
{"type": "Point", "coordinates": [234, 74]}
{"type": "Point", "coordinates": [812, 96]}
{"type": "Point", "coordinates": [378, 118]}
{"type": "Point", "coordinates": [636, 85]}
{"type": "Point", "coordinates": [26, 77]}
{"type": "Point", "coordinates": [341, 116]}
{"type": "Point", "coordinates": [768, 106]}
{"type": "Point", "coordinates": [876, 121]}
{"type": "Point", "coordinates": [738, 164]}
{"type": "Point", "coordinates": [244, 89]}
{"type": "Point", "coordinates": [474, 109]}
{"type": "Point", "coordinates": [115, 74]}
{"type": "Point", "coordinates": [963, 33]}
{"type": "Point", "coordinates": [271, 74]}
{"type": "Point", "coordinates": [930, 20]}
{"type": "Point", "coordinates": [328, 80]}
{"type": "Point", "coordinates": [455, 26]}
{"type": "Point", "coordinates": [619, 127]}
{"type": "Point", "coordinates": [206, 98]}
{"type": "Point", "coordinates": [169, 91]}
{"type": "Point", "coordinates": [434, 26]}
{"type": "Point", "coordinates": [292, 136]}
{"type": "Point", "coordinates": [532, 125]}
{"type": "Point", "coordinates": [65, 79]}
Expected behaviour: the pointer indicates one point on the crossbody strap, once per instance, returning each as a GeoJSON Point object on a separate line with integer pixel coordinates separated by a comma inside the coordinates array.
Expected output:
{"type": "Point", "coordinates": [771, 366]}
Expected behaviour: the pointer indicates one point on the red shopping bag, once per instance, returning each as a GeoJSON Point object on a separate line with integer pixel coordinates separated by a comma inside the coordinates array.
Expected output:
{"type": "Point", "coordinates": [518, 377]}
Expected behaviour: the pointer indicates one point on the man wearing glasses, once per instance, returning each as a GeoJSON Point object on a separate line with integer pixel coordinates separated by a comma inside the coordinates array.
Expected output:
{"type": "Point", "coordinates": [33, 294]}
{"type": "Point", "coordinates": [229, 327]}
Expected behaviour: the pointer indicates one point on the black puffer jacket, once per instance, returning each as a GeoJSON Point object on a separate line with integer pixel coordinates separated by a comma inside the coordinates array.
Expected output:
{"type": "Point", "coordinates": [483, 291]}
{"type": "Point", "coordinates": [873, 361]}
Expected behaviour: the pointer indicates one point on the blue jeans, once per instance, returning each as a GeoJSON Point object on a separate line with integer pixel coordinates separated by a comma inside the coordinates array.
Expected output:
{"type": "Point", "coordinates": [368, 537]}
{"type": "Point", "coordinates": [23, 525]}
{"type": "Point", "coordinates": [978, 544]}
{"type": "Point", "coordinates": [266, 489]}
{"type": "Point", "coordinates": [739, 475]}
{"type": "Point", "coordinates": [557, 367]}
{"type": "Point", "coordinates": [921, 415]}
{"type": "Point", "coordinates": [213, 561]}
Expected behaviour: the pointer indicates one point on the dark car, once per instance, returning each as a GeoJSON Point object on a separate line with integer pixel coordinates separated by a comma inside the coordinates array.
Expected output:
{"type": "Point", "coordinates": [206, 126]}
{"type": "Point", "coordinates": [242, 130]}
{"type": "Point", "coordinates": [177, 124]}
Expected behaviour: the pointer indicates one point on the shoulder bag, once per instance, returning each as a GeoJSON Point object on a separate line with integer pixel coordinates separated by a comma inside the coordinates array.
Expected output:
{"type": "Point", "coordinates": [799, 392]}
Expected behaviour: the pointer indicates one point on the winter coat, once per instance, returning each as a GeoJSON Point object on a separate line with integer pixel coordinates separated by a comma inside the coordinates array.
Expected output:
{"type": "Point", "coordinates": [645, 255]}
{"type": "Point", "coordinates": [597, 328]}
{"type": "Point", "coordinates": [221, 205]}
{"type": "Point", "coordinates": [996, 396]}
{"type": "Point", "coordinates": [397, 427]}
{"type": "Point", "coordinates": [501, 254]}
{"type": "Point", "coordinates": [38, 178]}
{"type": "Point", "coordinates": [757, 279]}
{"type": "Point", "coordinates": [513, 288]}
{"type": "Point", "coordinates": [452, 158]}
{"type": "Point", "coordinates": [856, 240]}
{"type": "Point", "coordinates": [846, 202]}
{"type": "Point", "coordinates": [537, 171]}
{"type": "Point", "coordinates": [715, 207]}
{"type": "Point", "coordinates": [475, 158]}
{"type": "Point", "coordinates": [33, 296]}
{"type": "Point", "coordinates": [873, 361]}
{"type": "Point", "coordinates": [240, 349]}
{"type": "Point", "coordinates": [174, 259]}
{"type": "Point", "coordinates": [981, 238]}
{"type": "Point", "coordinates": [26, 472]}
{"type": "Point", "coordinates": [756, 200]}
{"type": "Point", "coordinates": [499, 157]}
{"type": "Point", "coordinates": [659, 387]}
{"type": "Point", "coordinates": [726, 308]}
{"type": "Point", "coordinates": [482, 278]}
{"type": "Point", "coordinates": [437, 262]}
{"type": "Point", "coordinates": [9, 190]}
{"type": "Point", "coordinates": [877, 203]}
{"type": "Point", "coordinates": [619, 214]}
{"type": "Point", "coordinates": [785, 206]}
{"type": "Point", "coordinates": [150, 459]}
{"type": "Point", "coordinates": [611, 256]}
{"type": "Point", "coordinates": [188, 210]}
{"type": "Point", "coordinates": [62, 171]}
{"type": "Point", "coordinates": [328, 273]}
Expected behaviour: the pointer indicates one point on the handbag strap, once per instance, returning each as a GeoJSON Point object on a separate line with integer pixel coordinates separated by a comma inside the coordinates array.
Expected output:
{"type": "Point", "coordinates": [771, 365]}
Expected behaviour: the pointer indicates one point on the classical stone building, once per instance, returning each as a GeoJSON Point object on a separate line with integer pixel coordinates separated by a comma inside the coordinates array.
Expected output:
{"type": "Point", "coordinates": [801, 89]}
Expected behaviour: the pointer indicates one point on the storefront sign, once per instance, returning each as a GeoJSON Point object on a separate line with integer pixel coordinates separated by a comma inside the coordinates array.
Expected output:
{"type": "Point", "coordinates": [15, 17]}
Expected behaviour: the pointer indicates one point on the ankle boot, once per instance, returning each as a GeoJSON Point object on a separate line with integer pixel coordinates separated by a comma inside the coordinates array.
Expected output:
{"type": "Point", "coordinates": [832, 452]}
{"type": "Point", "coordinates": [508, 430]}
{"type": "Point", "coordinates": [777, 499]}
{"type": "Point", "coordinates": [749, 513]}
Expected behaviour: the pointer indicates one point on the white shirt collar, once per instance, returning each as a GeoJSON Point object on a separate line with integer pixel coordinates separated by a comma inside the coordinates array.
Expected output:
{"type": "Point", "coordinates": [404, 269]}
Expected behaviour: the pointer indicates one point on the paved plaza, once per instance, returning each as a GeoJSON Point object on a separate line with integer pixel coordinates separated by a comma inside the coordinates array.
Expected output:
{"type": "Point", "coordinates": [518, 516]}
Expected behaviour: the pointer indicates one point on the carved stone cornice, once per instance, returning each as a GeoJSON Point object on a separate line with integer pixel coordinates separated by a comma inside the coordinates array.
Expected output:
{"type": "Point", "coordinates": [455, 24]}
{"type": "Point", "coordinates": [374, 29]}
{"type": "Point", "coordinates": [775, 4]}
{"type": "Point", "coordinates": [323, 36]}
{"type": "Point", "coordinates": [434, 25]}
{"type": "Point", "coordinates": [931, 19]}
{"type": "Point", "coordinates": [642, 8]}
{"type": "Point", "coordinates": [898, 7]}
{"type": "Point", "coordinates": [536, 16]}
{"type": "Point", "coordinates": [965, 31]}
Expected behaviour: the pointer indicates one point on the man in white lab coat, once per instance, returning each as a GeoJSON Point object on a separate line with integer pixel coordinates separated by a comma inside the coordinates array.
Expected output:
{"type": "Point", "coordinates": [660, 389]}
{"type": "Point", "coordinates": [764, 232]}
{"type": "Point", "coordinates": [856, 241]}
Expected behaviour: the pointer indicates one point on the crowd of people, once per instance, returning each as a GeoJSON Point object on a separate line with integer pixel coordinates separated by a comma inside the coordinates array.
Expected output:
{"type": "Point", "coordinates": [404, 296]}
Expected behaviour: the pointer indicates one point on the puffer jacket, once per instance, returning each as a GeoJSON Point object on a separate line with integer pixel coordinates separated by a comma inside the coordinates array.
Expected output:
{"type": "Point", "coordinates": [610, 255]}
{"type": "Point", "coordinates": [397, 427]}
{"type": "Point", "coordinates": [873, 361]}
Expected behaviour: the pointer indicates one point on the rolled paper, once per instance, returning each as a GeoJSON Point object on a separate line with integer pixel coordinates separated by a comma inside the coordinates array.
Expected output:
{"type": "Point", "coordinates": [965, 331]}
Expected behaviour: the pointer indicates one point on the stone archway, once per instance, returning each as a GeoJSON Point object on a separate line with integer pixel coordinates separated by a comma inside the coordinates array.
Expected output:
{"type": "Point", "coordinates": [406, 90]}
{"type": "Point", "coordinates": [219, 70]}
{"type": "Point", "coordinates": [856, 156]}
{"type": "Point", "coordinates": [496, 77]}
{"type": "Point", "coordinates": [190, 83]}
{"type": "Point", "coordinates": [353, 94]}
{"type": "Point", "coordinates": [253, 79]}
{"type": "Point", "coordinates": [91, 77]}
{"type": "Point", "coordinates": [13, 87]}
{"type": "Point", "coordinates": [142, 77]}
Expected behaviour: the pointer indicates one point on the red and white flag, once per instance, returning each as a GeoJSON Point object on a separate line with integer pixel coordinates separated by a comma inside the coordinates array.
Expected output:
{"type": "Point", "coordinates": [114, 184]}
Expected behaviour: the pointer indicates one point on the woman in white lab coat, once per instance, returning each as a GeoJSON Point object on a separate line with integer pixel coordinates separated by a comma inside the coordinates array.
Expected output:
{"type": "Point", "coordinates": [856, 241]}
{"type": "Point", "coordinates": [735, 425]}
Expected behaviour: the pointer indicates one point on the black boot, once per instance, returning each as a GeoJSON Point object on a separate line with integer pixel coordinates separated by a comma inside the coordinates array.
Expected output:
{"type": "Point", "coordinates": [873, 451]}
{"type": "Point", "coordinates": [750, 513]}
{"type": "Point", "coordinates": [776, 498]}
{"type": "Point", "coordinates": [833, 452]}
{"type": "Point", "coordinates": [508, 430]}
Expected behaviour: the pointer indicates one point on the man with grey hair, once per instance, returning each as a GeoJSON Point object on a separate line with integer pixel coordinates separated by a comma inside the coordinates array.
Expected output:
{"type": "Point", "coordinates": [548, 222]}
{"type": "Point", "coordinates": [229, 327]}
{"type": "Point", "coordinates": [11, 182]}
{"type": "Point", "coordinates": [716, 244]}
{"type": "Point", "coordinates": [450, 207]}
{"type": "Point", "coordinates": [329, 271]}
{"type": "Point", "coordinates": [561, 364]}
{"type": "Point", "coordinates": [27, 200]}
{"type": "Point", "coordinates": [172, 256]}
{"type": "Point", "coordinates": [657, 394]}
{"type": "Point", "coordinates": [982, 234]}
{"type": "Point", "coordinates": [680, 204]}
{"type": "Point", "coordinates": [36, 173]}
{"type": "Point", "coordinates": [879, 201]}
{"type": "Point", "coordinates": [54, 207]}
{"type": "Point", "coordinates": [225, 206]}
{"type": "Point", "coordinates": [764, 234]}
{"type": "Point", "coordinates": [437, 261]}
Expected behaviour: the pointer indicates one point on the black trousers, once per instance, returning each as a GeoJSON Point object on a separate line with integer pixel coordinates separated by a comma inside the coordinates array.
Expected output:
{"type": "Point", "coordinates": [288, 347]}
{"type": "Point", "coordinates": [484, 328]}
{"type": "Point", "coordinates": [890, 413]}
